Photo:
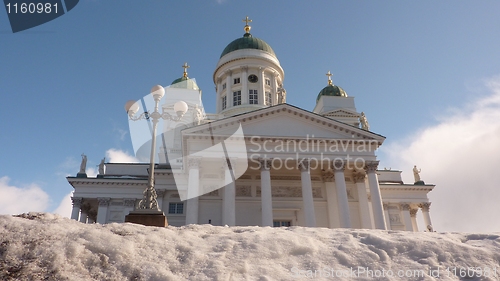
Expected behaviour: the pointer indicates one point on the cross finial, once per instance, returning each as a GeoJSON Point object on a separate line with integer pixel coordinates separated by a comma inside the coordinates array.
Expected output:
{"type": "Point", "coordinates": [185, 66]}
{"type": "Point", "coordinates": [329, 74]}
{"type": "Point", "coordinates": [247, 27]}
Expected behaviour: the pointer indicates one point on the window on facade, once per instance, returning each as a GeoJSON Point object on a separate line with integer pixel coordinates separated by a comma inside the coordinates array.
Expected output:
{"type": "Point", "coordinates": [176, 208]}
{"type": "Point", "coordinates": [268, 82]}
{"type": "Point", "coordinates": [224, 102]}
{"type": "Point", "coordinates": [236, 98]}
{"type": "Point", "coordinates": [269, 99]}
{"type": "Point", "coordinates": [236, 80]}
{"type": "Point", "coordinates": [281, 223]}
{"type": "Point", "coordinates": [224, 86]}
{"type": "Point", "coordinates": [253, 97]}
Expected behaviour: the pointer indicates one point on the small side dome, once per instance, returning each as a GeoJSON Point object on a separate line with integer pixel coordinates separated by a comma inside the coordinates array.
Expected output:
{"type": "Point", "coordinates": [179, 80]}
{"type": "Point", "coordinates": [331, 90]}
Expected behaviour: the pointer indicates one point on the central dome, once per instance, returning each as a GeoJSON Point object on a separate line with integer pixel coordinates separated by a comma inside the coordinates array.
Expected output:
{"type": "Point", "coordinates": [247, 42]}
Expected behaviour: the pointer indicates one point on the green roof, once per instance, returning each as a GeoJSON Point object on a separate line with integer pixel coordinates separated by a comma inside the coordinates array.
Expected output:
{"type": "Point", "coordinates": [184, 83]}
{"type": "Point", "coordinates": [332, 90]}
{"type": "Point", "coordinates": [247, 42]}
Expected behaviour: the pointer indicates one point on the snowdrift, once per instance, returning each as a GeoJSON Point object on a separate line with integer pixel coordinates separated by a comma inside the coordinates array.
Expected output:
{"type": "Point", "coordinates": [41, 246]}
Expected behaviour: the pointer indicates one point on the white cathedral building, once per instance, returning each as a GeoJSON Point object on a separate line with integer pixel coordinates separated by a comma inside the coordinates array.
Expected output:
{"type": "Point", "coordinates": [301, 168]}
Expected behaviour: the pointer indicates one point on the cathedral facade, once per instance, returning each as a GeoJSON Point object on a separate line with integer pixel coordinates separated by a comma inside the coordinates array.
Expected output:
{"type": "Point", "coordinates": [257, 160]}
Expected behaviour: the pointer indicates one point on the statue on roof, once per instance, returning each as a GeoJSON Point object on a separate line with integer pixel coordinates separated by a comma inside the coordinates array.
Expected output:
{"type": "Point", "coordinates": [83, 165]}
{"type": "Point", "coordinates": [364, 122]}
{"type": "Point", "coordinates": [197, 115]}
{"type": "Point", "coordinates": [416, 173]}
{"type": "Point", "coordinates": [101, 166]}
{"type": "Point", "coordinates": [281, 94]}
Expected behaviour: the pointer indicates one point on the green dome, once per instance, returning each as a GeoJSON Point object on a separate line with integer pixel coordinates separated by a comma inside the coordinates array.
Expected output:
{"type": "Point", "coordinates": [332, 90]}
{"type": "Point", "coordinates": [179, 80]}
{"type": "Point", "coordinates": [184, 83]}
{"type": "Point", "coordinates": [247, 42]}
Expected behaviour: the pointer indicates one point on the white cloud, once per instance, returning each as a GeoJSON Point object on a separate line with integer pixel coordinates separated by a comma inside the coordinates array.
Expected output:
{"type": "Point", "coordinates": [65, 207]}
{"type": "Point", "coordinates": [15, 200]}
{"type": "Point", "coordinates": [461, 155]}
{"type": "Point", "coordinates": [119, 156]}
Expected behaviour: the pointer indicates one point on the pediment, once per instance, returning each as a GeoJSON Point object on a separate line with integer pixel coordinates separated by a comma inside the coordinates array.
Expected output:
{"type": "Point", "coordinates": [342, 113]}
{"type": "Point", "coordinates": [283, 121]}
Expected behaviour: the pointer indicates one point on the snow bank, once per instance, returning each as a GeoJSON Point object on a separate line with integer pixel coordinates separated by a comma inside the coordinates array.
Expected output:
{"type": "Point", "coordinates": [41, 246]}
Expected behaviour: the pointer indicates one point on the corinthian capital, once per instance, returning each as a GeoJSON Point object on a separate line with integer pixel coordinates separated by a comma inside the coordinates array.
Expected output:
{"type": "Point", "coordinates": [413, 212]}
{"type": "Point", "coordinates": [265, 164]}
{"type": "Point", "coordinates": [358, 176]}
{"type": "Point", "coordinates": [304, 164]}
{"type": "Point", "coordinates": [404, 206]}
{"type": "Point", "coordinates": [338, 165]}
{"type": "Point", "coordinates": [194, 162]}
{"type": "Point", "coordinates": [103, 201]}
{"type": "Point", "coordinates": [425, 206]}
{"type": "Point", "coordinates": [371, 166]}
{"type": "Point", "coordinates": [77, 201]}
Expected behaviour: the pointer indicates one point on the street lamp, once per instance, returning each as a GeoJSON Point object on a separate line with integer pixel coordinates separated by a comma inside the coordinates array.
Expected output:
{"type": "Point", "coordinates": [149, 202]}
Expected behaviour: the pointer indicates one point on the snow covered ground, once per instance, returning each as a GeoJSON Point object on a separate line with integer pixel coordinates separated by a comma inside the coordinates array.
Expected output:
{"type": "Point", "coordinates": [41, 246]}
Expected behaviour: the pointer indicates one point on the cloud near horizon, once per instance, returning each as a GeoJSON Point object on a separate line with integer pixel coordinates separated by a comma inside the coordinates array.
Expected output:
{"type": "Point", "coordinates": [119, 156]}
{"type": "Point", "coordinates": [461, 155]}
{"type": "Point", "coordinates": [16, 200]}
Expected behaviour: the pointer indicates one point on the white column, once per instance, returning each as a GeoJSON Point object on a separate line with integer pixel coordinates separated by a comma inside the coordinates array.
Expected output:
{"type": "Point", "coordinates": [405, 211]}
{"type": "Point", "coordinates": [274, 88]}
{"type": "Point", "coordinates": [218, 105]}
{"type": "Point", "coordinates": [193, 190]}
{"type": "Point", "coordinates": [160, 193]}
{"type": "Point", "coordinates": [229, 89]}
{"type": "Point", "coordinates": [387, 218]}
{"type": "Point", "coordinates": [262, 88]}
{"type": "Point", "coordinates": [265, 192]}
{"type": "Point", "coordinates": [307, 196]}
{"type": "Point", "coordinates": [244, 84]}
{"type": "Point", "coordinates": [413, 215]}
{"type": "Point", "coordinates": [77, 203]}
{"type": "Point", "coordinates": [425, 206]}
{"type": "Point", "coordinates": [378, 211]}
{"type": "Point", "coordinates": [228, 197]}
{"type": "Point", "coordinates": [343, 201]}
{"type": "Point", "coordinates": [331, 198]}
{"type": "Point", "coordinates": [102, 211]}
{"type": "Point", "coordinates": [84, 212]}
{"type": "Point", "coordinates": [364, 209]}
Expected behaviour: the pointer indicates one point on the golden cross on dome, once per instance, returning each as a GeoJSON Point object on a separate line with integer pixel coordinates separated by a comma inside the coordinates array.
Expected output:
{"type": "Point", "coordinates": [185, 66]}
{"type": "Point", "coordinates": [329, 74]}
{"type": "Point", "coordinates": [247, 27]}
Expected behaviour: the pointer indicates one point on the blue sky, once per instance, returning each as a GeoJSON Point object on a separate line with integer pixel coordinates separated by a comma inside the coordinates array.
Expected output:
{"type": "Point", "coordinates": [413, 66]}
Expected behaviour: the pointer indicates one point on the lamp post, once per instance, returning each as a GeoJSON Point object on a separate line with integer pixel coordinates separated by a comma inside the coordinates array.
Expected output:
{"type": "Point", "coordinates": [149, 203]}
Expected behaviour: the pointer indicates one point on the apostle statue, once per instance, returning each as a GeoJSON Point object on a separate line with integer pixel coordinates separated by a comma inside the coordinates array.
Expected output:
{"type": "Point", "coordinates": [197, 116]}
{"type": "Point", "coordinates": [281, 94]}
{"type": "Point", "coordinates": [364, 122]}
{"type": "Point", "coordinates": [101, 166]}
{"type": "Point", "coordinates": [83, 165]}
{"type": "Point", "coordinates": [416, 173]}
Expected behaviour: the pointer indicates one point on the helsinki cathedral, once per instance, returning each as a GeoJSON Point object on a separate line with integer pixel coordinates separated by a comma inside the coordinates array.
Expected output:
{"type": "Point", "coordinates": [256, 161]}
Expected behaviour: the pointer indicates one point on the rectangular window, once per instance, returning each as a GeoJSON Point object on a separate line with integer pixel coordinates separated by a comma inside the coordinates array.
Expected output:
{"type": "Point", "coordinates": [253, 97]}
{"type": "Point", "coordinates": [224, 86]}
{"type": "Point", "coordinates": [269, 100]}
{"type": "Point", "coordinates": [236, 80]}
{"type": "Point", "coordinates": [268, 82]}
{"type": "Point", "coordinates": [236, 98]}
{"type": "Point", "coordinates": [281, 223]}
{"type": "Point", "coordinates": [176, 208]}
{"type": "Point", "coordinates": [224, 102]}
